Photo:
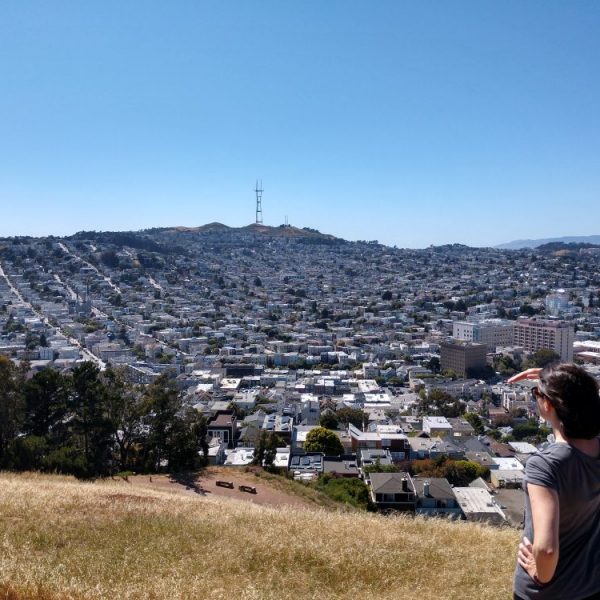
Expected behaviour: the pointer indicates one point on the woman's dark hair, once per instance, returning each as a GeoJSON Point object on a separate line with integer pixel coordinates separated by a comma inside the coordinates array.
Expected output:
{"type": "Point", "coordinates": [573, 393]}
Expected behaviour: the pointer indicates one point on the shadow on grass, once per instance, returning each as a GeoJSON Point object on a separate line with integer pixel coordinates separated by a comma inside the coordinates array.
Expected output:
{"type": "Point", "coordinates": [190, 481]}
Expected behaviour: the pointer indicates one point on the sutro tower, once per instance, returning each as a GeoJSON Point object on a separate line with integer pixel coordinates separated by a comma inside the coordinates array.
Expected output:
{"type": "Point", "coordinates": [259, 191]}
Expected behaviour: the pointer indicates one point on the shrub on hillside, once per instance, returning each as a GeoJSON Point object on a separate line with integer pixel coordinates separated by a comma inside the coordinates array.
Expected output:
{"type": "Point", "coordinates": [350, 491]}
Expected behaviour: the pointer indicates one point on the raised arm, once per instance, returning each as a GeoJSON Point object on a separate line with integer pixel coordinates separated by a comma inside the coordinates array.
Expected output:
{"type": "Point", "coordinates": [540, 558]}
{"type": "Point", "coordinates": [527, 374]}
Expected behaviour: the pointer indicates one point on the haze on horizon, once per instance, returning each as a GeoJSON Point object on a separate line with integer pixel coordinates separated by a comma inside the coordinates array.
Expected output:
{"type": "Point", "coordinates": [470, 122]}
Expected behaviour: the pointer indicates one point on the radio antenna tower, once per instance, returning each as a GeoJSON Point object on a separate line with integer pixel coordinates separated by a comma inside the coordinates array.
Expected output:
{"type": "Point", "coordinates": [259, 191]}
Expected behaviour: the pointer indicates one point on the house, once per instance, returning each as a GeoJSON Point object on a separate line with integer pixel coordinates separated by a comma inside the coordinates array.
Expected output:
{"type": "Point", "coordinates": [299, 434]}
{"type": "Point", "coordinates": [392, 491]}
{"type": "Point", "coordinates": [369, 456]}
{"type": "Point", "coordinates": [341, 466]}
{"type": "Point", "coordinates": [240, 457]}
{"type": "Point", "coordinates": [421, 448]}
{"type": "Point", "coordinates": [282, 425]}
{"type": "Point", "coordinates": [307, 465]}
{"type": "Point", "coordinates": [248, 437]}
{"type": "Point", "coordinates": [224, 427]}
{"type": "Point", "coordinates": [394, 441]}
{"type": "Point", "coordinates": [508, 464]}
{"type": "Point", "coordinates": [282, 458]}
{"type": "Point", "coordinates": [461, 428]}
{"type": "Point", "coordinates": [436, 426]}
{"type": "Point", "coordinates": [216, 451]}
{"type": "Point", "coordinates": [485, 459]}
{"type": "Point", "coordinates": [435, 498]}
{"type": "Point", "coordinates": [507, 478]}
{"type": "Point", "coordinates": [478, 504]}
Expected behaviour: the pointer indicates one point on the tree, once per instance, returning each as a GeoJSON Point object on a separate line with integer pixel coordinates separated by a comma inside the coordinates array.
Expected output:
{"type": "Point", "coordinates": [529, 429]}
{"type": "Point", "coordinates": [475, 421]}
{"type": "Point", "coordinates": [377, 467]}
{"type": "Point", "coordinates": [188, 437]}
{"type": "Point", "coordinates": [541, 358]}
{"type": "Point", "coordinates": [46, 395]}
{"type": "Point", "coordinates": [91, 424]}
{"type": "Point", "coordinates": [266, 448]}
{"type": "Point", "coordinates": [442, 403]}
{"type": "Point", "coordinates": [387, 295]}
{"type": "Point", "coordinates": [457, 472]}
{"type": "Point", "coordinates": [125, 413]}
{"type": "Point", "coordinates": [350, 491]}
{"type": "Point", "coordinates": [11, 406]}
{"type": "Point", "coordinates": [351, 415]}
{"type": "Point", "coordinates": [238, 411]}
{"type": "Point", "coordinates": [506, 366]}
{"type": "Point", "coordinates": [161, 406]}
{"type": "Point", "coordinates": [527, 309]}
{"type": "Point", "coordinates": [323, 440]}
{"type": "Point", "coordinates": [328, 420]}
{"type": "Point", "coordinates": [434, 364]}
{"type": "Point", "coordinates": [110, 259]}
{"type": "Point", "coordinates": [460, 305]}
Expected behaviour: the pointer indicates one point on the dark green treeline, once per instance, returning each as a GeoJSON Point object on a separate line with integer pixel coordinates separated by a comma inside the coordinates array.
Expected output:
{"type": "Point", "coordinates": [90, 423]}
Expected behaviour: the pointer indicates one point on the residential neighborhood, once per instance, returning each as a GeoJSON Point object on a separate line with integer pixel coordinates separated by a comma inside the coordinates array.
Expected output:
{"type": "Point", "coordinates": [284, 331]}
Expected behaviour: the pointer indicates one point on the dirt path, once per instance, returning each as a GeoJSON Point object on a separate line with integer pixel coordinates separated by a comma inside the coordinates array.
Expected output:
{"type": "Point", "coordinates": [206, 485]}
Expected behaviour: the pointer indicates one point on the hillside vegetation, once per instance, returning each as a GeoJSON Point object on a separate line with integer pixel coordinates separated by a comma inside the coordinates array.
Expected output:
{"type": "Point", "coordinates": [63, 539]}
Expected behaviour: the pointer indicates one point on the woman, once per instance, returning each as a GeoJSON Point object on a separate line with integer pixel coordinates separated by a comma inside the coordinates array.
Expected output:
{"type": "Point", "coordinates": [559, 555]}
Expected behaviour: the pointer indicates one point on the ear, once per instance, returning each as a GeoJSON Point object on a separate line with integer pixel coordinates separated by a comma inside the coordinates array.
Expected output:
{"type": "Point", "coordinates": [548, 407]}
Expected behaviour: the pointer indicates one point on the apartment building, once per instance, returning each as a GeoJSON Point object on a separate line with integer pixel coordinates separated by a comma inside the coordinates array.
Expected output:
{"type": "Point", "coordinates": [463, 357]}
{"type": "Point", "coordinates": [491, 332]}
{"type": "Point", "coordinates": [535, 334]}
{"type": "Point", "coordinates": [557, 303]}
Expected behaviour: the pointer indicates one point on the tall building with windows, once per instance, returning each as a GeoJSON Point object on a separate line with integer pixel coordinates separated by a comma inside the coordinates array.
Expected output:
{"type": "Point", "coordinates": [463, 357]}
{"type": "Point", "coordinates": [535, 334]}
{"type": "Point", "coordinates": [491, 332]}
{"type": "Point", "coordinates": [557, 303]}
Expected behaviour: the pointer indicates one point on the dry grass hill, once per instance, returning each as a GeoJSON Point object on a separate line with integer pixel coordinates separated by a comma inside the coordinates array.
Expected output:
{"type": "Point", "coordinates": [63, 539]}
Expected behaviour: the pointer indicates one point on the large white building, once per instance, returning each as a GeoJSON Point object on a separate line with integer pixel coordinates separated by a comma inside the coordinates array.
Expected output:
{"type": "Point", "coordinates": [557, 303]}
{"type": "Point", "coordinates": [534, 334]}
{"type": "Point", "coordinates": [491, 332]}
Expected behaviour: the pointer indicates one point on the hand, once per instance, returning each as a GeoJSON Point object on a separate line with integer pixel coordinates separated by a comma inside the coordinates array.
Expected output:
{"type": "Point", "coordinates": [526, 559]}
{"type": "Point", "coordinates": [528, 374]}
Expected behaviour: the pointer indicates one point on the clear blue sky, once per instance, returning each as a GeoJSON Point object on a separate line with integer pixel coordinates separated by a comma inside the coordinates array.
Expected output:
{"type": "Point", "coordinates": [413, 123]}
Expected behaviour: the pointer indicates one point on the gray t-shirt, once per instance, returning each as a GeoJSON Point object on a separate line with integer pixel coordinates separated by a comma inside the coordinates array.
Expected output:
{"type": "Point", "coordinates": [576, 478]}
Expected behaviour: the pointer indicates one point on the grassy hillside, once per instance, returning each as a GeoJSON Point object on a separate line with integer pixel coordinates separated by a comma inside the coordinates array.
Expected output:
{"type": "Point", "coordinates": [61, 539]}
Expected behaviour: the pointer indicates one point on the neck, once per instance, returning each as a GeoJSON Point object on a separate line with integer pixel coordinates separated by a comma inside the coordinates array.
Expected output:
{"type": "Point", "coordinates": [589, 447]}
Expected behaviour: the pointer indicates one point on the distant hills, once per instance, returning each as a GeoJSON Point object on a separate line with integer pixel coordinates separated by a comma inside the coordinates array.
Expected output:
{"type": "Point", "coordinates": [582, 239]}
{"type": "Point", "coordinates": [155, 238]}
{"type": "Point", "coordinates": [219, 229]}
{"type": "Point", "coordinates": [255, 228]}
{"type": "Point", "coordinates": [168, 240]}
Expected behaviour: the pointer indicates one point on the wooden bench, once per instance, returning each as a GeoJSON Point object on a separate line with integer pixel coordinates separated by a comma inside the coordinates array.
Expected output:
{"type": "Point", "coordinates": [226, 484]}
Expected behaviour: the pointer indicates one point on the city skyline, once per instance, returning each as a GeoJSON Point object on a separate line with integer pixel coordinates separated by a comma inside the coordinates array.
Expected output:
{"type": "Point", "coordinates": [412, 125]}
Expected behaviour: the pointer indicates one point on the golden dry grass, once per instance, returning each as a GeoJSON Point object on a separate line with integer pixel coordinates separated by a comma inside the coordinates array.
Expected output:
{"type": "Point", "coordinates": [61, 539]}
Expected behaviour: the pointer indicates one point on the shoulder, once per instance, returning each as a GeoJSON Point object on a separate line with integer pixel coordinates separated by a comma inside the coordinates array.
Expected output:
{"type": "Point", "coordinates": [543, 467]}
{"type": "Point", "coordinates": [552, 453]}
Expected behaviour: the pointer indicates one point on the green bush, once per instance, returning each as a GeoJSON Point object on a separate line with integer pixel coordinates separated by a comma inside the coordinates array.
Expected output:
{"type": "Point", "coordinates": [350, 491]}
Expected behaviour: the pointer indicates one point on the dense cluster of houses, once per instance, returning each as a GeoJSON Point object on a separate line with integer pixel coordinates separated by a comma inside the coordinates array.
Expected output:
{"type": "Point", "coordinates": [283, 324]}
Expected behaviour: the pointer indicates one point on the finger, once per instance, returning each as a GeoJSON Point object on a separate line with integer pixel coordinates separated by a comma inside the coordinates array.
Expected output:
{"type": "Point", "coordinates": [528, 374]}
{"type": "Point", "coordinates": [523, 555]}
{"type": "Point", "coordinates": [527, 543]}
